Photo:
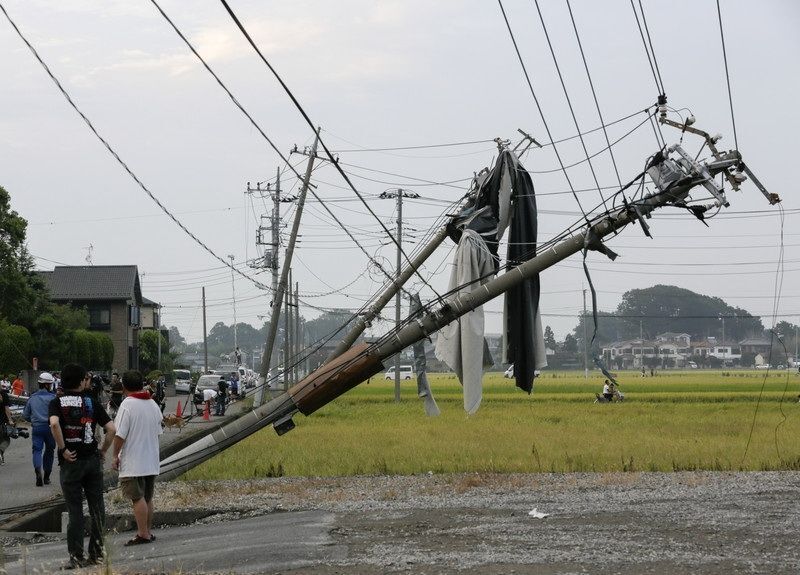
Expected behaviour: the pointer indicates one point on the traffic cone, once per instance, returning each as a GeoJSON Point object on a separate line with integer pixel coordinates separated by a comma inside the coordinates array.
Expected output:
{"type": "Point", "coordinates": [179, 410]}
{"type": "Point", "coordinates": [207, 413]}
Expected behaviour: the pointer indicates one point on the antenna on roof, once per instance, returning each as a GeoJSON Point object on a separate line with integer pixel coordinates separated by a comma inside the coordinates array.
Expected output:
{"type": "Point", "coordinates": [88, 257]}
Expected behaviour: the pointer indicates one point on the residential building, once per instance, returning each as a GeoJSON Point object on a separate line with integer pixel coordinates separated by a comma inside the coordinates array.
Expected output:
{"type": "Point", "coordinates": [113, 297]}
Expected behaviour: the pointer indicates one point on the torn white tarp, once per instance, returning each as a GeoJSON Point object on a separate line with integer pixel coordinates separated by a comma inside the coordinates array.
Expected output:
{"type": "Point", "coordinates": [457, 342]}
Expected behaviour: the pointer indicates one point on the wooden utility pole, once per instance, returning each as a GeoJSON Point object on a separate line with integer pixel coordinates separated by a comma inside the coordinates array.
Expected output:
{"type": "Point", "coordinates": [278, 296]}
{"type": "Point", "coordinates": [205, 337]}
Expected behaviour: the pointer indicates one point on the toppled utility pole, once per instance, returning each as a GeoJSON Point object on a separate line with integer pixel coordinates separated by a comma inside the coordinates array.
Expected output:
{"type": "Point", "coordinates": [674, 180]}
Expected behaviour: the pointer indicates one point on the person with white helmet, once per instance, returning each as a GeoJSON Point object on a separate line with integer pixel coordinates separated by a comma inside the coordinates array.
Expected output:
{"type": "Point", "coordinates": [37, 411]}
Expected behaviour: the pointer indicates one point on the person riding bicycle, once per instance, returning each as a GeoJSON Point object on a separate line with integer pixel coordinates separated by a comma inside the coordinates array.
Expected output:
{"type": "Point", "coordinates": [608, 390]}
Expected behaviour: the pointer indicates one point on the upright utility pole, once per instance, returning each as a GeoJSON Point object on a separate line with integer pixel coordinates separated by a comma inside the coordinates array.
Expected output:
{"type": "Point", "coordinates": [233, 289]}
{"type": "Point", "coordinates": [276, 234]}
{"type": "Point", "coordinates": [398, 194]}
{"type": "Point", "coordinates": [205, 336]}
{"type": "Point", "coordinates": [287, 336]}
{"type": "Point", "coordinates": [278, 295]}
{"type": "Point", "coordinates": [585, 342]}
{"type": "Point", "coordinates": [298, 336]}
{"type": "Point", "coordinates": [724, 349]}
{"type": "Point", "coordinates": [641, 345]}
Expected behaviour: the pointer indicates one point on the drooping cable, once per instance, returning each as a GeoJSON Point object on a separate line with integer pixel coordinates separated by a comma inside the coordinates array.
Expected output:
{"type": "Point", "coordinates": [594, 93]}
{"type": "Point", "coordinates": [727, 75]}
{"type": "Point", "coordinates": [116, 156]}
{"type": "Point", "coordinates": [779, 273]}
{"type": "Point", "coordinates": [538, 107]}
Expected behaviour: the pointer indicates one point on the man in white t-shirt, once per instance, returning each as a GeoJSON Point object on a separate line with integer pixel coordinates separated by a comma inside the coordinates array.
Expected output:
{"type": "Point", "coordinates": [136, 452]}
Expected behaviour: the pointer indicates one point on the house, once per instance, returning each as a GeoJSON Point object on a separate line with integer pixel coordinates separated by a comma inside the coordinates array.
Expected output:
{"type": "Point", "coordinates": [755, 345]}
{"type": "Point", "coordinates": [150, 314]}
{"type": "Point", "coordinates": [113, 297]}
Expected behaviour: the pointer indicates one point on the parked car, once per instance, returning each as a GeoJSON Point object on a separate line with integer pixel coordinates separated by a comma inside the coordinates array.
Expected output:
{"type": "Point", "coordinates": [406, 372]}
{"type": "Point", "coordinates": [209, 381]}
{"type": "Point", "coordinates": [182, 378]}
{"type": "Point", "coordinates": [763, 366]}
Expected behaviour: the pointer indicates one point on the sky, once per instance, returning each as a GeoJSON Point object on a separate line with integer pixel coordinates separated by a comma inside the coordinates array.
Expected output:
{"type": "Point", "coordinates": [393, 74]}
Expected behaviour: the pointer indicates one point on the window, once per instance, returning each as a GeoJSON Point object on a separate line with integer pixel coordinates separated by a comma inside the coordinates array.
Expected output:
{"type": "Point", "coordinates": [134, 315]}
{"type": "Point", "coordinates": [99, 317]}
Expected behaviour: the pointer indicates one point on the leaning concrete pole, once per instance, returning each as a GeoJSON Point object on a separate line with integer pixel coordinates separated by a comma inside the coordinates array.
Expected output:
{"type": "Point", "coordinates": [363, 361]}
{"type": "Point", "coordinates": [277, 297]}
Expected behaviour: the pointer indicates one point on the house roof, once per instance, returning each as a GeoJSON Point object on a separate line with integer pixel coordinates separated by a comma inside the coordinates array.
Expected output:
{"type": "Point", "coordinates": [150, 303]}
{"type": "Point", "coordinates": [755, 341]}
{"type": "Point", "coordinates": [91, 283]}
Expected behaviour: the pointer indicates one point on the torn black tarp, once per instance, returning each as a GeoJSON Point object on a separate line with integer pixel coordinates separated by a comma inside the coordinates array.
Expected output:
{"type": "Point", "coordinates": [524, 342]}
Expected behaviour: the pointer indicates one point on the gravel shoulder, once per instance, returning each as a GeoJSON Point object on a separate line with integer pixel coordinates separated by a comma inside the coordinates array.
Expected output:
{"type": "Point", "coordinates": [628, 523]}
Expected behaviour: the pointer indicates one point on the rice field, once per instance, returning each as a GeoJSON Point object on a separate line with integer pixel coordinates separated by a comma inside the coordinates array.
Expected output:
{"type": "Point", "coordinates": [694, 420]}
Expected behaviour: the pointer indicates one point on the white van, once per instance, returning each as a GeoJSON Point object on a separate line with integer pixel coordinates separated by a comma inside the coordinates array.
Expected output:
{"type": "Point", "coordinates": [406, 372]}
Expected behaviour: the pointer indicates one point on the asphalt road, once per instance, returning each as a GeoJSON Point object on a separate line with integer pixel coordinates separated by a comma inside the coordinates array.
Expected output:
{"type": "Point", "coordinates": [267, 544]}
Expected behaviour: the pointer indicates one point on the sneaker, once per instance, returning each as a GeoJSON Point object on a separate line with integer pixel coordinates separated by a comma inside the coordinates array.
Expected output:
{"type": "Point", "coordinates": [47, 479]}
{"type": "Point", "coordinates": [98, 560]}
{"type": "Point", "coordinates": [39, 481]}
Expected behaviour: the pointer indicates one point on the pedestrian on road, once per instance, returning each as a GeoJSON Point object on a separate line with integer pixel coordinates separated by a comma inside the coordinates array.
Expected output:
{"type": "Point", "coordinates": [136, 452]}
{"type": "Point", "coordinates": [116, 394]}
{"type": "Point", "coordinates": [37, 412]}
{"type": "Point", "coordinates": [73, 419]}
{"type": "Point", "coordinates": [5, 383]}
{"type": "Point", "coordinates": [18, 387]}
{"type": "Point", "coordinates": [222, 397]}
{"type": "Point", "coordinates": [5, 419]}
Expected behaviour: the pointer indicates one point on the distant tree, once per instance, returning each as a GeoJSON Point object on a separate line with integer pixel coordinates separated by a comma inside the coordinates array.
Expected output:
{"type": "Point", "coordinates": [16, 347]}
{"type": "Point", "coordinates": [663, 308]}
{"type": "Point", "coordinates": [549, 338]}
{"type": "Point", "coordinates": [18, 294]}
{"type": "Point", "coordinates": [330, 324]}
{"type": "Point", "coordinates": [176, 340]}
{"type": "Point", "coordinates": [570, 343]}
{"type": "Point", "coordinates": [148, 352]}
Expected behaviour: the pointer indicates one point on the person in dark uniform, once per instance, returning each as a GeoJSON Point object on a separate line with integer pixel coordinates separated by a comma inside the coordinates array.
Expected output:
{"type": "Point", "coordinates": [73, 419]}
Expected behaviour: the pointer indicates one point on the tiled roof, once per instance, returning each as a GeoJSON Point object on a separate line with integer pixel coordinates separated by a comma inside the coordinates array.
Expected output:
{"type": "Point", "coordinates": [67, 283]}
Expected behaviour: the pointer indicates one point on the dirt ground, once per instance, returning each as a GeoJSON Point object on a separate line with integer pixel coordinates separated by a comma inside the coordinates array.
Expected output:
{"type": "Point", "coordinates": [629, 523]}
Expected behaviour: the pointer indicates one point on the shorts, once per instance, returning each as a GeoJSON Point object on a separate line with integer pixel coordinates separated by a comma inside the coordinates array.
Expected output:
{"type": "Point", "coordinates": [134, 488]}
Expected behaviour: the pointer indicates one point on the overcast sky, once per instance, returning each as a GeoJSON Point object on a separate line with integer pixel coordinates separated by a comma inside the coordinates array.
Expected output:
{"type": "Point", "coordinates": [378, 75]}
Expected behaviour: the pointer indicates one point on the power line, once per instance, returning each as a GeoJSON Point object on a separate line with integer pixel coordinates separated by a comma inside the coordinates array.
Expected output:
{"type": "Point", "coordinates": [569, 104]}
{"type": "Point", "coordinates": [646, 51]}
{"type": "Point", "coordinates": [727, 76]}
{"type": "Point", "coordinates": [594, 93]}
{"type": "Point", "coordinates": [116, 156]}
{"type": "Point", "coordinates": [313, 127]}
{"type": "Point", "coordinates": [538, 106]}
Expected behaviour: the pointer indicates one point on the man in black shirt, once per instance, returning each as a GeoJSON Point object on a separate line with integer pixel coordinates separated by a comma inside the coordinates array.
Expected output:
{"type": "Point", "coordinates": [73, 418]}
{"type": "Point", "coordinates": [5, 418]}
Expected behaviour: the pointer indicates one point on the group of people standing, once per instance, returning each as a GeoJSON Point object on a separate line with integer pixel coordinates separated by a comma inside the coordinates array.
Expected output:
{"type": "Point", "coordinates": [65, 425]}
